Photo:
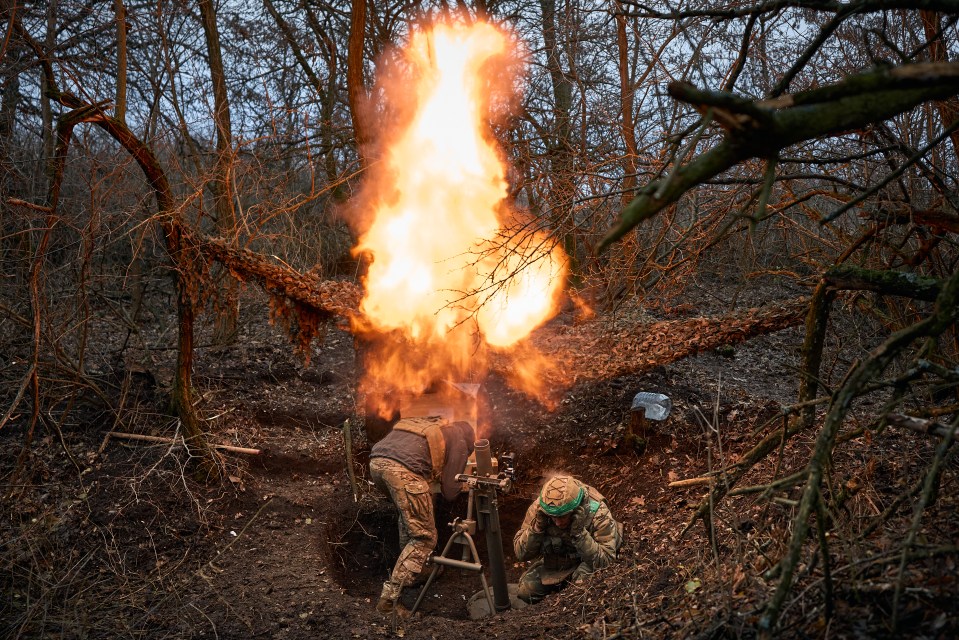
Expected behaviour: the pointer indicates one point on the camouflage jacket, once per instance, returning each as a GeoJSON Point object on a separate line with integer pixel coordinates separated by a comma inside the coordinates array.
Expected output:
{"type": "Point", "coordinates": [593, 547]}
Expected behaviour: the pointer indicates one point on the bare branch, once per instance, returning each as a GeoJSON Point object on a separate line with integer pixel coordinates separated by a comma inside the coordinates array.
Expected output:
{"type": "Point", "coordinates": [761, 129]}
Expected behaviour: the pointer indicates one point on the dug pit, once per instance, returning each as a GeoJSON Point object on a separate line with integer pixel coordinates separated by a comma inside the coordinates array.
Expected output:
{"type": "Point", "coordinates": [365, 545]}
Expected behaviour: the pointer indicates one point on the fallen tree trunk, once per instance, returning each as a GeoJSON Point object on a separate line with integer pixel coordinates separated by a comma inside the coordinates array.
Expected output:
{"type": "Point", "coordinates": [886, 282]}
{"type": "Point", "coordinates": [589, 351]}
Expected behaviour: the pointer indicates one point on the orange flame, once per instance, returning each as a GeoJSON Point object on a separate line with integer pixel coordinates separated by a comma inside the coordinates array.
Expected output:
{"type": "Point", "coordinates": [445, 275]}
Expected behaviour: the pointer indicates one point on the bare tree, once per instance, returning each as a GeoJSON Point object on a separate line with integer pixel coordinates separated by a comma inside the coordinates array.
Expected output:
{"type": "Point", "coordinates": [227, 311]}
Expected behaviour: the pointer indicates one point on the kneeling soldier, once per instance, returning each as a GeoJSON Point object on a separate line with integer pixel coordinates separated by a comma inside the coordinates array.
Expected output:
{"type": "Point", "coordinates": [569, 533]}
{"type": "Point", "coordinates": [415, 453]}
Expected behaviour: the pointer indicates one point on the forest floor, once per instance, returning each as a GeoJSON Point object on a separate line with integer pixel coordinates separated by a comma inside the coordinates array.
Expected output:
{"type": "Point", "coordinates": [123, 542]}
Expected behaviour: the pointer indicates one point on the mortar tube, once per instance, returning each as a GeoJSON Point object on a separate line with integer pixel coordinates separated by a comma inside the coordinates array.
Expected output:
{"type": "Point", "coordinates": [484, 459]}
{"type": "Point", "coordinates": [494, 549]}
{"type": "Point", "coordinates": [487, 509]}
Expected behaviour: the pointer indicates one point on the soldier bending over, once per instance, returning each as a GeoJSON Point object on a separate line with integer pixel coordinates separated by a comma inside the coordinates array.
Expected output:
{"type": "Point", "coordinates": [416, 452]}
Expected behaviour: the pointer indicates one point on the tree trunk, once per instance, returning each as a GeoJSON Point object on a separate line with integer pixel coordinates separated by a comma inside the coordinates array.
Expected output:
{"type": "Point", "coordinates": [37, 279]}
{"type": "Point", "coordinates": [13, 242]}
{"type": "Point", "coordinates": [817, 321]}
{"type": "Point", "coordinates": [325, 91]}
{"type": "Point", "coordinates": [902, 213]}
{"type": "Point", "coordinates": [628, 124]}
{"type": "Point", "coordinates": [182, 256]}
{"type": "Point", "coordinates": [647, 345]}
{"type": "Point", "coordinates": [948, 108]}
{"type": "Point", "coordinates": [9, 101]}
{"type": "Point", "coordinates": [329, 104]}
{"type": "Point", "coordinates": [227, 308]}
{"type": "Point", "coordinates": [355, 84]}
{"type": "Point", "coordinates": [120, 108]}
{"type": "Point", "coordinates": [560, 141]}
{"type": "Point", "coordinates": [325, 297]}
{"type": "Point", "coordinates": [46, 111]}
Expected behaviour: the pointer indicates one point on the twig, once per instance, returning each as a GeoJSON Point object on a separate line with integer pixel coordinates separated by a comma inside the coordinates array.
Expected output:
{"type": "Point", "coordinates": [769, 178]}
{"type": "Point", "coordinates": [19, 396]}
{"type": "Point", "coordinates": [775, 484]}
{"type": "Point", "coordinates": [689, 482]}
{"type": "Point", "coordinates": [17, 202]}
{"type": "Point", "coordinates": [826, 568]}
{"type": "Point", "coordinates": [707, 119]}
{"type": "Point", "coordinates": [145, 438]}
{"type": "Point", "coordinates": [199, 572]}
{"type": "Point", "coordinates": [893, 175]}
{"type": "Point", "coordinates": [51, 424]}
{"type": "Point", "coordinates": [928, 489]}
{"type": "Point", "coordinates": [929, 427]}
{"type": "Point", "coordinates": [348, 450]}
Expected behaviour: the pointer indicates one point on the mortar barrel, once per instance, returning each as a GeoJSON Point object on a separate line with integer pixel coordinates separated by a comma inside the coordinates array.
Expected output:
{"type": "Point", "coordinates": [484, 459]}
{"type": "Point", "coordinates": [494, 549]}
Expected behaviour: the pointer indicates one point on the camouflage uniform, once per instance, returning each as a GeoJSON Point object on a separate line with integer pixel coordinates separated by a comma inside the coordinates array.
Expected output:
{"type": "Point", "coordinates": [402, 465]}
{"type": "Point", "coordinates": [411, 495]}
{"type": "Point", "coordinates": [589, 543]}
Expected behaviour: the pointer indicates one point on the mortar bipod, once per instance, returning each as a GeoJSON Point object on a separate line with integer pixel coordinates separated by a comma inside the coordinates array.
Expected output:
{"type": "Point", "coordinates": [463, 531]}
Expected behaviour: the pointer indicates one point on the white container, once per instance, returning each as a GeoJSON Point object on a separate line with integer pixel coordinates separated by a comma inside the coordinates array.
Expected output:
{"type": "Point", "coordinates": [656, 405]}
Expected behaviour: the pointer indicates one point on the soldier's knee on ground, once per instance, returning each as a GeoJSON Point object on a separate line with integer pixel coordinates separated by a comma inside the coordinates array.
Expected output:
{"type": "Point", "coordinates": [524, 592]}
{"type": "Point", "coordinates": [530, 589]}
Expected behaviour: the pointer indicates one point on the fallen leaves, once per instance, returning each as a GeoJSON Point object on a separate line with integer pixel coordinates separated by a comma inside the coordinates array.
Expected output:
{"type": "Point", "coordinates": [692, 585]}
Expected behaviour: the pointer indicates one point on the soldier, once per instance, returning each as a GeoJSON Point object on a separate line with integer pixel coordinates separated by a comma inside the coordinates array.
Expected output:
{"type": "Point", "coordinates": [569, 533]}
{"type": "Point", "coordinates": [415, 453]}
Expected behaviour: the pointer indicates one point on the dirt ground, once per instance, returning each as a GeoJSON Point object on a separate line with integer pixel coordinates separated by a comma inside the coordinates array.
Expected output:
{"type": "Point", "coordinates": [123, 542]}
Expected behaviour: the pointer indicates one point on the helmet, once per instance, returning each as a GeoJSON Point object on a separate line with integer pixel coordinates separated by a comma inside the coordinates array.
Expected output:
{"type": "Point", "coordinates": [561, 495]}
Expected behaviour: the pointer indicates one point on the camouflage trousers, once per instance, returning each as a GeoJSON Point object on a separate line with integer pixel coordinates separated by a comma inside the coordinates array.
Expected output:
{"type": "Point", "coordinates": [539, 580]}
{"type": "Point", "coordinates": [411, 495]}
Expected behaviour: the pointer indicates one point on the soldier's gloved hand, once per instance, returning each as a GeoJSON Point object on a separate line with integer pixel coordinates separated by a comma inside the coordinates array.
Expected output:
{"type": "Point", "coordinates": [577, 526]}
{"type": "Point", "coordinates": [539, 522]}
{"type": "Point", "coordinates": [582, 572]}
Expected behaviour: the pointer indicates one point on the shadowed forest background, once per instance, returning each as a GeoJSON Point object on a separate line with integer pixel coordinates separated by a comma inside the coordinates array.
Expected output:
{"type": "Point", "coordinates": [759, 206]}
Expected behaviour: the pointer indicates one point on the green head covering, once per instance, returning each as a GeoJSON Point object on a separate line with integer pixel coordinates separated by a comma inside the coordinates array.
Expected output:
{"type": "Point", "coordinates": [561, 495]}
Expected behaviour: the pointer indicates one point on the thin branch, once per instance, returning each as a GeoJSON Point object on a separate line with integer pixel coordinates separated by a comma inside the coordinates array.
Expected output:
{"type": "Point", "coordinates": [16, 400]}
{"type": "Point", "coordinates": [762, 129]}
{"type": "Point", "coordinates": [892, 175]}
{"type": "Point", "coordinates": [944, 316]}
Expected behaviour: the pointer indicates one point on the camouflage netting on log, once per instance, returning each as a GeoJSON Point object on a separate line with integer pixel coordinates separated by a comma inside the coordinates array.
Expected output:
{"type": "Point", "coordinates": [324, 297]}
{"type": "Point", "coordinates": [589, 351]}
{"type": "Point", "coordinates": [594, 351]}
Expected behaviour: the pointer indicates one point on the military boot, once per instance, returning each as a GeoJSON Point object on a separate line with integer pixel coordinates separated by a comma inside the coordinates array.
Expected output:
{"type": "Point", "coordinates": [386, 605]}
